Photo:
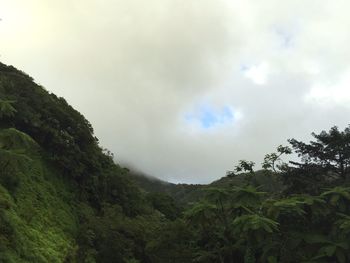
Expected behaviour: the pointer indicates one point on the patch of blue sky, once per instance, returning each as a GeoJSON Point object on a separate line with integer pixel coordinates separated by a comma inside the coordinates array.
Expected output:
{"type": "Point", "coordinates": [208, 117]}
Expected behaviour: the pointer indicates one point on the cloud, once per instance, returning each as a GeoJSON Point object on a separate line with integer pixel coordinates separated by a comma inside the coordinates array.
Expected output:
{"type": "Point", "coordinates": [257, 73]}
{"type": "Point", "coordinates": [137, 69]}
{"type": "Point", "coordinates": [331, 94]}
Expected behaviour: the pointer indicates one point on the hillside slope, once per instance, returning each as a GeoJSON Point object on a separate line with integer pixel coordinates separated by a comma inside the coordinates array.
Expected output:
{"type": "Point", "coordinates": [185, 194]}
{"type": "Point", "coordinates": [181, 193]}
{"type": "Point", "coordinates": [62, 199]}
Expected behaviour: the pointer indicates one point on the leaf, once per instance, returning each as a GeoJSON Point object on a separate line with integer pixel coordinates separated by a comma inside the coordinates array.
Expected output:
{"type": "Point", "coordinates": [252, 223]}
{"type": "Point", "coordinates": [216, 194]}
{"type": "Point", "coordinates": [287, 206]}
{"type": "Point", "coordinates": [315, 239]}
{"type": "Point", "coordinates": [329, 250]}
{"type": "Point", "coordinates": [340, 191]}
{"type": "Point", "coordinates": [200, 213]}
{"type": "Point", "coordinates": [14, 139]}
{"type": "Point", "coordinates": [340, 256]}
{"type": "Point", "coordinates": [334, 199]}
{"type": "Point", "coordinates": [272, 259]}
{"type": "Point", "coordinates": [248, 196]}
{"type": "Point", "coordinates": [343, 245]}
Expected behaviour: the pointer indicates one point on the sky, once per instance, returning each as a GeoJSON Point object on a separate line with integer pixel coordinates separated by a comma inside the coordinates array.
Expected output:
{"type": "Point", "coordinates": [184, 89]}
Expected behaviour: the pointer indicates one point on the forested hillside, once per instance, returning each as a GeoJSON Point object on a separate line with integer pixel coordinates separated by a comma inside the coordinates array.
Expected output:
{"type": "Point", "coordinates": [64, 199]}
{"type": "Point", "coordinates": [181, 193]}
{"type": "Point", "coordinates": [185, 194]}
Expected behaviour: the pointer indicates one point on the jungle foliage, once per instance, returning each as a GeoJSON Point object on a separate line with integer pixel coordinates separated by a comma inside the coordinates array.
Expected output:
{"type": "Point", "coordinates": [63, 199]}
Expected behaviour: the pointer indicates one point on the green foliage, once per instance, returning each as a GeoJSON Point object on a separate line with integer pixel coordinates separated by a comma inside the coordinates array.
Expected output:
{"type": "Point", "coordinates": [14, 139]}
{"type": "Point", "coordinates": [6, 109]}
{"type": "Point", "coordinates": [247, 196]}
{"type": "Point", "coordinates": [285, 207]}
{"type": "Point", "coordinates": [245, 166]}
{"type": "Point", "coordinates": [164, 204]}
{"type": "Point", "coordinates": [273, 160]}
{"type": "Point", "coordinates": [217, 194]}
{"type": "Point", "coordinates": [303, 223]}
{"type": "Point", "coordinates": [172, 242]}
{"type": "Point", "coordinates": [328, 249]}
{"type": "Point", "coordinates": [64, 200]}
{"type": "Point", "coordinates": [330, 151]}
{"type": "Point", "coordinates": [42, 225]}
{"type": "Point", "coordinates": [65, 135]}
{"type": "Point", "coordinates": [14, 149]}
{"type": "Point", "coordinates": [250, 223]}
{"type": "Point", "coordinates": [201, 214]}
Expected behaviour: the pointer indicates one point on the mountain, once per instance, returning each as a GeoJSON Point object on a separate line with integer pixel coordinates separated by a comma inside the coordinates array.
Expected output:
{"type": "Point", "coordinates": [63, 198]}
{"type": "Point", "coordinates": [185, 194]}
{"type": "Point", "coordinates": [181, 193]}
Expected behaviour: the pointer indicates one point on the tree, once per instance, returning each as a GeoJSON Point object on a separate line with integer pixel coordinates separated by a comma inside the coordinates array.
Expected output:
{"type": "Point", "coordinates": [247, 197]}
{"type": "Point", "coordinates": [165, 204]}
{"type": "Point", "coordinates": [245, 166]}
{"type": "Point", "coordinates": [202, 214]}
{"type": "Point", "coordinates": [339, 197]}
{"type": "Point", "coordinates": [254, 230]}
{"type": "Point", "coordinates": [242, 167]}
{"type": "Point", "coordinates": [273, 160]}
{"type": "Point", "coordinates": [330, 152]}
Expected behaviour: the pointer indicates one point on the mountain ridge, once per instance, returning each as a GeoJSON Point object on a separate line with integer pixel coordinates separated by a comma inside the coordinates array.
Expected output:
{"type": "Point", "coordinates": [63, 199]}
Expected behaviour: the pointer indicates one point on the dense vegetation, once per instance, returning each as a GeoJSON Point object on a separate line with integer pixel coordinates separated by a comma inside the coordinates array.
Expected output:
{"type": "Point", "coordinates": [63, 199]}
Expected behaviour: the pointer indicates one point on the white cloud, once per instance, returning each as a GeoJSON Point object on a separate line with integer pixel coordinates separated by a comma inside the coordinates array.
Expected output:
{"type": "Point", "coordinates": [331, 94]}
{"type": "Point", "coordinates": [258, 73]}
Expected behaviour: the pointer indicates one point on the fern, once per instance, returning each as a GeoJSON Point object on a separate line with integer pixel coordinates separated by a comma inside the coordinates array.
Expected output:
{"type": "Point", "coordinates": [248, 196]}
{"type": "Point", "coordinates": [248, 223]}
{"type": "Point", "coordinates": [201, 213]}
{"type": "Point", "coordinates": [14, 139]}
{"type": "Point", "coordinates": [287, 206]}
{"type": "Point", "coordinates": [334, 194]}
{"type": "Point", "coordinates": [6, 108]}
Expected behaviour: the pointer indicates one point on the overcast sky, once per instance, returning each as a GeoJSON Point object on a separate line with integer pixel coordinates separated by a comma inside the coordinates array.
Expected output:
{"type": "Point", "coordinates": [183, 89]}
